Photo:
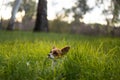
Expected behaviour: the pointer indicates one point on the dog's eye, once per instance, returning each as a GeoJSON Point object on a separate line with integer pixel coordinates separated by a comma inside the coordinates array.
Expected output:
{"type": "Point", "coordinates": [55, 53]}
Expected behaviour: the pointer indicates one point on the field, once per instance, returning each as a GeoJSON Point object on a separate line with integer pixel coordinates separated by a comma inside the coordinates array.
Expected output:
{"type": "Point", "coordinates": [23, 56]}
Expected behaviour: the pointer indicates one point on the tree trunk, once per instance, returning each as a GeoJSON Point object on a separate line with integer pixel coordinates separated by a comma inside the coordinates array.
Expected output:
{"type": "Point", "coordinates": [1, 23]}
{"type": "Point", "coordinates": [14, 11]}
{"type": "Point", "coordinates": [41, 23]}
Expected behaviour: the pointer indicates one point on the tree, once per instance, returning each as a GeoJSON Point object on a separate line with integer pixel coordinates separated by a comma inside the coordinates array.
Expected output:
{"type": "Point", "coordinates": [116, 11]}
{"type": "Point", "coordinates": [29, 7]}
{"type": "Point", "coordinates": [14, 11]}
{"type": "Point", "coordinates": [79, 9]}
{"type": "Point", "coordinates": [0, 24]}
{"type": "Point", "coordinates": [41, 23]}
{"type": "Point", "coordinates": [113, 9]}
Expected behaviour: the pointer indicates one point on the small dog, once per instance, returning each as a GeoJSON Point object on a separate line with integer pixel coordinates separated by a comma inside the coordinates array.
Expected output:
{"type": "Point", "coordinates": [57, 53]}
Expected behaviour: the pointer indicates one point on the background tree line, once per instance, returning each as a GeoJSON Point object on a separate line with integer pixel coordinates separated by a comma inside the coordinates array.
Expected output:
{"type": "Point", "coordinates": [36, 18]}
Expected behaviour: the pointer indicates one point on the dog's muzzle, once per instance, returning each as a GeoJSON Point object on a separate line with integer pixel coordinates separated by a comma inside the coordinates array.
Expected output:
{"type": "Point", "coordinates": [50, 56]}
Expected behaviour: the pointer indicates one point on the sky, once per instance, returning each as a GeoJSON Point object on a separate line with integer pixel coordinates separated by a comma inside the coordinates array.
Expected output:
{"type": "Point", "coordinates": [56, 6]}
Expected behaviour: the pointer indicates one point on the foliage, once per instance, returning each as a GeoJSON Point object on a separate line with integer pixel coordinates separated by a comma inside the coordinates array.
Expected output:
{"type": "Point", "coordinates": [29, 7]}
{"type": "Point", "coordinates": [116, 11]}
{"type": "Point", "coordinates": [23, 57]}
{"type": "Point", "coordinates": [79, 9]}
{"type": "Point", "coordinates": [113, 9]}
{"type": "Point", "coordinates": [58, 25]}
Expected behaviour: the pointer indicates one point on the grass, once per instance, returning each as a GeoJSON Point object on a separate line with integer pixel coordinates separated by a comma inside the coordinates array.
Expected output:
{"type": "Point", "coordinates": [23, 56]}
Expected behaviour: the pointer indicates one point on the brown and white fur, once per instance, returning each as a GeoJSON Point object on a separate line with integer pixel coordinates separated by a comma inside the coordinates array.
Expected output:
{"type": "Point", "coordinates": [57, 53]}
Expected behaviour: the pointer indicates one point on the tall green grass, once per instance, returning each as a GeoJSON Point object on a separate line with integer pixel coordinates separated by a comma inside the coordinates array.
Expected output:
{"type": "Point", "coordinates": [23, 56]}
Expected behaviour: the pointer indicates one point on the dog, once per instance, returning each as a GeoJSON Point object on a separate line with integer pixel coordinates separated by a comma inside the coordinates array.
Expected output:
{"type": "Point", "coordinates": [57, 53]}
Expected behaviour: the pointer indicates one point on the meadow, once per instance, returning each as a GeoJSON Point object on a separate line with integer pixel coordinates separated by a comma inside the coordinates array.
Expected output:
{"type": "Point", "coordinates": [23, 56]}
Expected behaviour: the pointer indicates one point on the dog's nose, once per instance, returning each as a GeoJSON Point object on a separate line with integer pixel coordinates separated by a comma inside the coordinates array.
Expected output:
{"type": "Point", "coordinates": [48, 54]}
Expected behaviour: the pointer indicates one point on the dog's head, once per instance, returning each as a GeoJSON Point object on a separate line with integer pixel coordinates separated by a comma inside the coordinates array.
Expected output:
{"type": "Point", "coordinates": [56, 53]}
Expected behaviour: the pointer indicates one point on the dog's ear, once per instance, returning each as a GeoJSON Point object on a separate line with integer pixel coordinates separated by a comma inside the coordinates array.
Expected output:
{"type": "Point", "coordinates": [65, 49]}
